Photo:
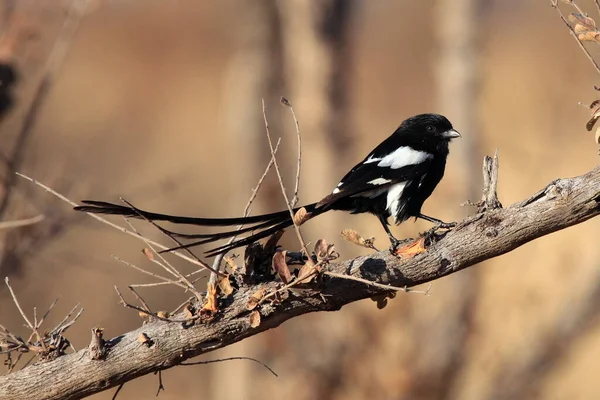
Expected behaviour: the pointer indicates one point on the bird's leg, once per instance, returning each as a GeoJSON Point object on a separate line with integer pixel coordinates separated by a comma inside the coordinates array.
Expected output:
{"type": "Point", "coordinates": [439, 224]}
{"type": "Point", "coordinates": [394, 242]}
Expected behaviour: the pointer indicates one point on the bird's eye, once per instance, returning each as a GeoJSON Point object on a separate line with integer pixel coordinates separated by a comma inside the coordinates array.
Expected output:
{"type": "Point", "coordinates": [430, 128]}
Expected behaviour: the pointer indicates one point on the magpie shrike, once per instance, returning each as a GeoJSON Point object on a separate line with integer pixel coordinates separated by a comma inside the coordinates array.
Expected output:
{"type": "Point", "coordinates": [393, 180]}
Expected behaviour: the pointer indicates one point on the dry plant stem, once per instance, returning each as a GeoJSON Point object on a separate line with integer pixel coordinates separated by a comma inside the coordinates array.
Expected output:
{"type": "Point", "coordinates": [143, 271]}
{"type": "Point", "coordinates": [14, 297]}
{"type": "Point", "coordinates": [219, 258]}
{"type": "Point", "coordinates": [231, 359]}
{"type": "Point", "coordinates": [297, 186]}
{"type": "Point", "coordinates": [155, 315]}
{"type": "Point", "coordinates": [597, 2]}
{"type": "Point", "coordinates": [281, 185]}
{"type": "Point", "coordinates": [379, 285]}
{"type": "Point", "coordinates": [167, 266]}
{"type": "Point", "coordinates": [177, 242]}
{"type": "Point", "coordinates": [21, 222]}
{"type": "Point", "coordinates": [105, 221]}
{"type": "Point", "coordinates": [563, 203]}
{"type": "Point", "coordinates": [554, 4]}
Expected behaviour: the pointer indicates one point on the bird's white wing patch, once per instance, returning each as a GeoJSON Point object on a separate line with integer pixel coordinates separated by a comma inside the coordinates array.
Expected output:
{"type": "Point", "coordinates": [379, 181]}
{"type": "Point", "coordinates": [393, 198]}
{"type": "Point", "coordinates": [401, 157]}
{"type": "Point", "coordinates": [372, 159]}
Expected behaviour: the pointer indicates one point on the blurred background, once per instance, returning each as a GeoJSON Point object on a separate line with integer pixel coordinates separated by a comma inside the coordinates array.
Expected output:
{"type": "Point", "coordinates": [160, 102]}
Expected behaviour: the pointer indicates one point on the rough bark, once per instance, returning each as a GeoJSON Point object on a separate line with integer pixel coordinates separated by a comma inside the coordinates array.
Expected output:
{"type": "Point", "coordinates": [563, 203]}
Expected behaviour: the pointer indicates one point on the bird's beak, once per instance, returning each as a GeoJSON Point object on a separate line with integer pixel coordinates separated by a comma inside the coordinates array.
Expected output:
{"type": "Point", "coordinates": [451, 134]}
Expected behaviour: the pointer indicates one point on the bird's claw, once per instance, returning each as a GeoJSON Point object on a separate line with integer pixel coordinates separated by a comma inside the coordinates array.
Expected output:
{"type": "Point", "coordinates": [444, 225]}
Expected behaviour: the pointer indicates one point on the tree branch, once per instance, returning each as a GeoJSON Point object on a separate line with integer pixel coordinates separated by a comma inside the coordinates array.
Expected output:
{"type": "Point", "coordinates": [563, 203]}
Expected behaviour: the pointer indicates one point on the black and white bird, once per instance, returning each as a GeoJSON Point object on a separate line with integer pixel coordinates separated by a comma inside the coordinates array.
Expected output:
{"type": "Point", "coordinates": [393, 180]}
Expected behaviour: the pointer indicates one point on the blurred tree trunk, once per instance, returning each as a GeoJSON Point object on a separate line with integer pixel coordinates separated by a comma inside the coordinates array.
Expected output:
{"type": "Point", "coordinates": [315, 44]}
{"type": "Point", "coordinates": [255, 73]}
{"type": "Point", "coordinates": [442, 349]}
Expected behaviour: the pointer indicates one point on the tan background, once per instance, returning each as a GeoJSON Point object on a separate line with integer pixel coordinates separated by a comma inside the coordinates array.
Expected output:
{"type": "Point", "coordinates": [160, 102]}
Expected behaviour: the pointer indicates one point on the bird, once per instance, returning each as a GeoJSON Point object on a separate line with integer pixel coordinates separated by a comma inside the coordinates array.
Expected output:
{"type": "Point", "coordinates": [392, 181]}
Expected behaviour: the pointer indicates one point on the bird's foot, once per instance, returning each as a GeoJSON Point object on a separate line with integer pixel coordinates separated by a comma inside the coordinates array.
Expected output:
{"type": "Point", "coordinates": [444, 225]}
{"type": "Point", "coordinates": [397, 243]}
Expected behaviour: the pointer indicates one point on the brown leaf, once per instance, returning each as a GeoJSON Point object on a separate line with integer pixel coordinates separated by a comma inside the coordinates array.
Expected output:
{"type": "Point", "coordinates": [145, 339]}
{"type": "Point", "coordinates": [272, 241]}
{"type": "Point", "coordinates": [412, 249]}
{"type": "Point", "coordinates": [225, 286]}
{"type": "Point", "coordinates": [188, 311]}
{"type": "Point", "coordinates": [584, 20]}
{"type": "Point", "coordinates": [578, 28]}
{"type": "Point", "coordinates": [598, 135]}
{"type": "Point", "coordinates": [230, 263]}
{"type": "Point", "coordinates": [305, 271]}
{"type": "Point", "coordinates": [144, 315]}
{"type": "Point", "coordinates": [255, 299]}
{"type": "Point", "coordinates": [210, 304]}
{"type": "Point", "coordinates": [280, 267]}
{"type": "Point", "coordinates": [352, 236]}
{"type": "Point", "coordinates": [589, 36]}
{"type": "Point", "coordinates": [163, 314]}
{"type": "Point", "coordinates": [148, 253]}
{"type": "Point", "coordinates": [301, 216]}
{"type": "Point", "coordinates": [254, 319]}
{"type": "Point", "coordinates": [324, 251]}
{"type": "Point", "coordinates": [285, 101]}
{"type": "Point", "coordinates": [595, 107]}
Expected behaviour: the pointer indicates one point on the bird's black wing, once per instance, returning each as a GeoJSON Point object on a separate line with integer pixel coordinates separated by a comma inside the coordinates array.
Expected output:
{"type": "Point", "coordinates": [370, 177]}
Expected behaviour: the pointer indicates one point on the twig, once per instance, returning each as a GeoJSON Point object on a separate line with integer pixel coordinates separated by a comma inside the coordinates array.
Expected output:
{"type": "Point", "coordinates": [287, 103]}
{"type": "Point", "coordinates": [287, 201]}
{"type": "Point", "coordinates": [219, 258]}
{"type": "Point", "coordinates": [117, 391]}
{"type": "Point", "coordinates": [139, 298]}
{"type": "Point", "coordinates": [597, 2]}
{"type": "Point", "coordinates": [166, 280]}
{"type": "Point", "coordinates": [174, 239]}
{"type": "Point", "coordinates": [160, 384]}
{"type": "Point", "coordinates": [167, 266]}
{"type": "Point", "coordinates": [230, 359]}
{"type": "Point", "coordinates": [105, 221]}
{"type": "Point", "coordinates": [378, 285]}
{"type": "Point", "coordinates": [554, 4]}
{"type": "Point", "coordinates": [21, 222]}
{"type": "Point", "coordinates": [155, 315]}
{"type": "Point", "coordinates": [12, 293]}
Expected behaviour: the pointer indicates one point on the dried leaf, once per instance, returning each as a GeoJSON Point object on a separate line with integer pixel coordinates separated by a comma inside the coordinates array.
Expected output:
{"type": "Point", "coordinates": [301, 216]}
{"type": "Point", "coordinates": [148, 253]}
{"type": "Point", "coordinates": [578, 28]}
{"type": "Point", "coordinates": [304, 275]}
{"type": "Point", "coordinates": [188, 311]}
{"type": "Point", "coordinates": [412, 249]}
{"type": "Point", "coordinates": [225, 286]}
{"type": "Point", "coordinates": [145, 339]}
{"type": "Point", "coordinates": [589, 36]}
{"type": "Point", "coordinates": [163, 314]}
{"type": "Point", "coordinates": [280, 267]}
{"type": "Point", "coordinates": [352, 236]}
{"type": "Point", "coordinates": [230, 263]}
{"type": "Point", "coordinates": [598, 135]}
{"type": "Point", "coordinates": [584, 20]}
{"type": "Point", "coordinates": [255, 299]}
{"type": "Point", "coordinates": [254, 319]}
{"type": "Point", "coordinates": [271, 243]}
{"type": "Point", "coordinates": [144, 315]}
{"type": "Point", "coordinates": [210, 304]}
{"type": "Point", "coordinates": [595, 107]}
{"type": "Point", "coordinates": [324, 251]}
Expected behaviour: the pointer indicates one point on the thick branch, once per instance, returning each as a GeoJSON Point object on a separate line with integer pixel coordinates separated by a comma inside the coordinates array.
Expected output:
{"type": "Point", "coordinates": [561, 204]}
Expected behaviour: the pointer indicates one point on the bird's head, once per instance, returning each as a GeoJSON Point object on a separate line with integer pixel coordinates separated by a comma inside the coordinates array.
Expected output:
{"type": "Point", "coordinates": [431, 126]}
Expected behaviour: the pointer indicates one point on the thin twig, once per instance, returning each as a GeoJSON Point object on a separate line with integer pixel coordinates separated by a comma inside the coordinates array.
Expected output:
{"type": "Point", "coordinates": [141, 300]}
{"type": "Point", "coordinates": [105, 221]}
{"type": "Point", "coordinates": [219, 258]}
{"type": "Point", "coordinates": [14, 297]}
{"type": "Point", "coordinates": [554, 4]}
{"type": "Point", "coordinates": [287, 103]}
{"type": "Point", "coordinates": [166, 280]}
{"type": "Point", "coordinates": [174, 239]}
{"type": "Point", "coordinates": [155, 315]}
{"type": "Point", "coordinates": [160, 384]}
{"type": "Point", "coordinates": [118, 390]}
{"type": "Point", "coordinates": [230, 359]}
{"type": "Point", "coordinates": [21, 222]}
{"type": "Point", "coordinates": [597, 2]}
{"type": "Point", "coordinates": [287, 201]}
{"type": "Point", "coordinates": [378, 285]}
